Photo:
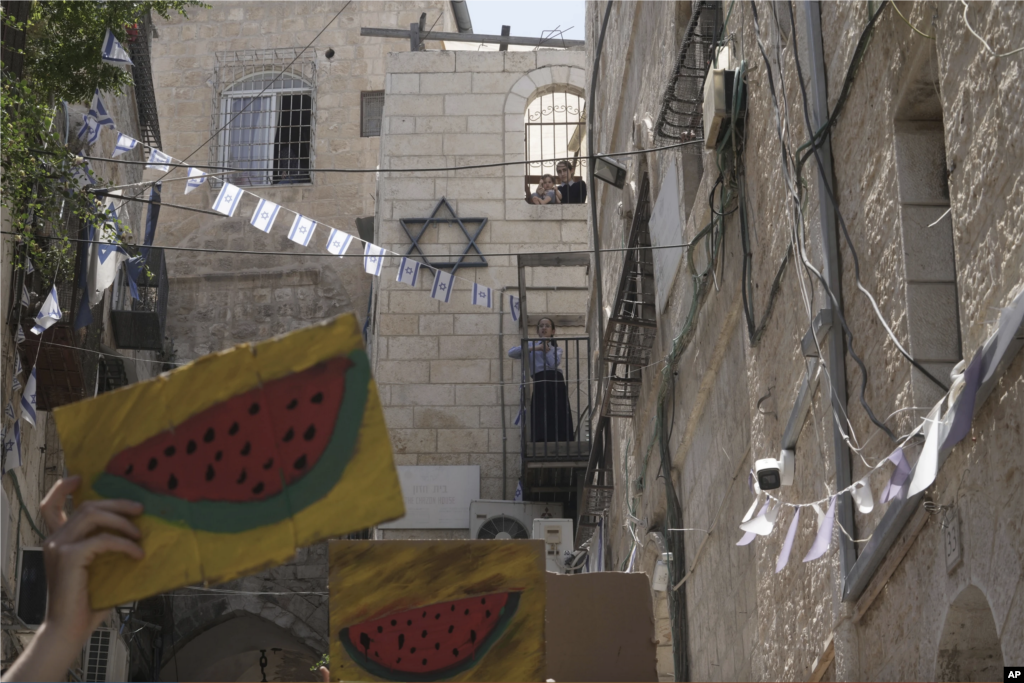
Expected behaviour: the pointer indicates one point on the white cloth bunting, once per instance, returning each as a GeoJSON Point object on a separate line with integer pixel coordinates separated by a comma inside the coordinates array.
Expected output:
{"type": "Point", "coordinates": [513, 307]}
{"type": "Point", "coordinates": [26, 300]}
{"type": "Point", "coordinates": [442, 289]}
{"type": "Point", "coordinates": [408, 271]}
{"type": "Point", "coordinates": [159, 160]}
{"type": "Point", "coordinates": [927, 466]}
{"type": "Point", "coordinates": [338, 242]}
{"type": "Point", "coordinates": [113, 52]}
{"type": "Point", "coordinates": [48, 314]}
{"type": "Point", "coordinates": [763, 524]}
{"type": "Point", "coordinates": [823, 539]}
{"type": "Point", "coordinates": [373, 259]}
{"type": "Point", "coordinates": [195, 179]}
{"type": "Point", "coordinates": [787, 545]}
{"type": "Point", "coordinates": [12, 446]}
{"type": "Point", "coordinates": [227, 200]}
{"type": "Point", "coordinates": [481, 295]}
{"type": "Point", "coordinates": [862, 496]}
{"type": "Point", "coordinates": [99, 111]}
{"type": "Point", "coordinates": [302, 230]}
{"type": "Point", "coordinates": [125, 143]}
{"type": "Point", "coordinates": [750, 535]}
{"type": "Point", "coordinates": [29, 268]}
{"type": "Point", "coordinates": [28, 399]}
{"type": "Point", "coordinates": [265, 214]}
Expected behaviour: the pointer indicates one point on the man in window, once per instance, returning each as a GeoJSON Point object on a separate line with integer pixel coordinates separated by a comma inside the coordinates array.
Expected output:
{"type": "Point", "coordinates": [573, 190]}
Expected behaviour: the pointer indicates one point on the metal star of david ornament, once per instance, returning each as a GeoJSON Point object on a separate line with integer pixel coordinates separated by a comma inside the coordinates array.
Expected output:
{"type": "Point", "coordinates": [419, 227]}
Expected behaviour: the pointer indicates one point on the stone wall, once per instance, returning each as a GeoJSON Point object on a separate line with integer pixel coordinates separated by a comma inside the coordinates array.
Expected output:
{"type": "Point", "coordinates": [729, 401]}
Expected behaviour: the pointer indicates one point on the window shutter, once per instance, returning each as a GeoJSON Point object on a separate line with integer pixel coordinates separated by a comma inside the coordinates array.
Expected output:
{"type": "Point", "coordinates": [372, 113]}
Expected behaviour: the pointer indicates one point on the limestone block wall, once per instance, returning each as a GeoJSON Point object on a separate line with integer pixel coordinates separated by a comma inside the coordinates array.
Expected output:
{"type": "Point", "coordinates": [440, 367]}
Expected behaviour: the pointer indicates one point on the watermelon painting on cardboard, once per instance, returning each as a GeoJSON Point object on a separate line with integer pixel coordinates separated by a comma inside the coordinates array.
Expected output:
{"type": "Point", "coordinates": [437, 610]}
{"type": "Point", "coordinates": [239, 458]}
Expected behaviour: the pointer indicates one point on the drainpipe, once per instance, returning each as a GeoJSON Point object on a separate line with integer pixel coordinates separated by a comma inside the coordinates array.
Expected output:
{"type": "Point", "coordinates": [461, 13]}
{"type": "Point", "coordinates": [833, 275]}
{"type": "Point", "coordinates": [501, 392]}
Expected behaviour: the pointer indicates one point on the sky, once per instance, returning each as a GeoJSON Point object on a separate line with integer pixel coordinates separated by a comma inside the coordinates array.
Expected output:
{"type": "Point", "coordinates": [528, 18]}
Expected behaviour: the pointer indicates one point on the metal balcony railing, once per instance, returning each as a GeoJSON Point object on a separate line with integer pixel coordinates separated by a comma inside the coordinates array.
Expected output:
{"type": "Point", "coordinates": [142, 73]}
{"type": "Point", "coordinates": [140, 323]}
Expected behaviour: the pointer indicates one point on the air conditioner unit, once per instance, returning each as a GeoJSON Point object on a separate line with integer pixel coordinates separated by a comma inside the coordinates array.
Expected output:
{"type": "Point", "coordinates": [719, 105]}
{"type": "Point", "coordinates": [106, 657]}
{"type": "Point", "coordinates": [507, 519]}
{"type": "Point", "coordinates": [558, 539]}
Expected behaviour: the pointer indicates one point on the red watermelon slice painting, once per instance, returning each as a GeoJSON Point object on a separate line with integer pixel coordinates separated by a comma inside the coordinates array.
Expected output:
{"type": "Point", "coordinates": [437, 610]}
{"type": "Point", "coordinates": [239, 458]}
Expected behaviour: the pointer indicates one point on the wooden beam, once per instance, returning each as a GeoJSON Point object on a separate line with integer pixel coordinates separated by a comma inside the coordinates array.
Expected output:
{"type": "Point", "coordinates": [821, 664]}
{"type": "Point", "coordinates": [472, 38]}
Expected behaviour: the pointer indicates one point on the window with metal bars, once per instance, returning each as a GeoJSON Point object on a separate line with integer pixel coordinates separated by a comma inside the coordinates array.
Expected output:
{"type": "Point", "coordinates": [556, 129]}
{"type": "Point", "coordinates": [371, 113]}
{"type": "Point", "coordinates": [267, 129]}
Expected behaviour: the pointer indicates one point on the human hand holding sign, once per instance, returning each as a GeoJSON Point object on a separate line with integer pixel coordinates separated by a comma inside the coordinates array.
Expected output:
{"type": "Point", "coordinates": [96, 527]}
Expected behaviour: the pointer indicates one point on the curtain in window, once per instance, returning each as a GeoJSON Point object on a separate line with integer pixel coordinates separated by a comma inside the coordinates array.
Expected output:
{"type": "Point", "coordinates": [250, 139]}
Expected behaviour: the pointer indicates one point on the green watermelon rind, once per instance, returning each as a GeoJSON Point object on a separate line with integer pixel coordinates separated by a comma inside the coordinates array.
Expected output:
{"type": "Point", "coordinates": [233, 516]}
{"type": "Point", "coordinates": [375, 669]}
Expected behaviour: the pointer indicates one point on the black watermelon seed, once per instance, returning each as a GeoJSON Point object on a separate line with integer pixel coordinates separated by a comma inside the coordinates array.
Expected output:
{"type": "Point", "coordinates": [424, 662]}
{"type": "Point", "coordinates": [424, 615]}
{"type": "Point", "coordinates": [246, 448]}
{"type": "Point", "coordinates": [472, 636]}
{"type": "Point", "coordinates": [437, 616]}
{"type": "Point", "coordinates": [401, 640]}
{"type": "Point", "coordinates": [301, 464]}
{"type": "Point", "coordinates": [233, 429]}
{"type": "Point", "coordinates": [455, 651]}
{"type": "Point", "coordinates": [218, 455]}
{"type": "Point", "coordinates": [437, 646]}
{"type": "Point", "coordinates": [152, 464]}
{"type": "Point", "coordinates": [483, 601]}
{"type": "Point", "coordinates": [453, 608]}
{"type": "Point", "coordinates": [291, 405]}
{"type": "Point", "coordinates": [466, 612]}
{"type": "Point", "coordinates": [394, 623]}
{"type": "Point", "coordinates": [241, 477]}
{"type": "Point", "coordinates": [364, 640]}
{"type": "Point", "coordinates": [169, 451]}
{"type": "Point", "coordinates": [398, 661]}
{"type": "Point", "coordinates": [209, 472]}
{"type": "Point", "coordinates": [172, 483]}
{"type": "Point", "coordinates": [409, 623]}
{"type": "Point", "coordinates": [268, 464]}
{"type": "Point", "coordinates": [487, 613]}
{"type": "Point", "coordinates": [208, 436]}
{"type": "Point", "coordinates": [129, 470]}
{"type": "Point", "coordinates": [289, 435]}
{"type": "Point", "coordinates": [380, 629]}
{"type": "Point", "coordinates": [309, 433]}
{"type": "Point", "coordinates": [258, 488]}
{"type": "Point", "coordinates": [191, 447]}
{"type": "Point", "coordinates": [318, 397]}
{"type": "Point", "coordinates": [451, 628]}
{"type": "Point", "coordinates": [254, 408]}
{"type": "Point", "coordinates": [423, 635]}
{"type": "Point", "coordinates": [412, 650]}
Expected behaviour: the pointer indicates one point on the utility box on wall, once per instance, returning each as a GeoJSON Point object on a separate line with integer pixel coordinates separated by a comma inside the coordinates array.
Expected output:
{"type": "Point", "coordinates": [558, 538]}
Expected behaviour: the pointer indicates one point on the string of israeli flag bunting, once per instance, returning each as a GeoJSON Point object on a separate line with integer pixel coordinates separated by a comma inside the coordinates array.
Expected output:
{"type": "Point", "coordinates": [946, 425]}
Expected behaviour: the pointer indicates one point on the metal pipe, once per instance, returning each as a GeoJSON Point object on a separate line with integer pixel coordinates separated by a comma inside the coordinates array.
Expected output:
{"type": "Point", "coordinates": [461, 13]}
{"type": "Point", "coordinates": [367, 32]}
{"type": "Point", "coordinates": [501, 391]}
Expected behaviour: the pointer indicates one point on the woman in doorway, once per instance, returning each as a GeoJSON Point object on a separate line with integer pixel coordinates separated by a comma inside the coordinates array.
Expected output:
{"type": "Point", "coordinates": [550, 416]}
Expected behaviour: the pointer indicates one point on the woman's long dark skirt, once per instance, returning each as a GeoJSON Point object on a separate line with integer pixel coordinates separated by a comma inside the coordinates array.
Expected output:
{"type": "Point", "coordinates": [552, 419]}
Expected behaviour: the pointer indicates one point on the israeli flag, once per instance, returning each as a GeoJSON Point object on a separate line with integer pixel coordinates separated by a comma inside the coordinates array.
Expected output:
{"type": "Point", "coordinates": [12, 447]}
{"type": "Point", "coordinates": [408, 271]}
{"type": "Point", "coordinates": [481, 295]}
{"type": "Point", "coordinates": [9, 410]}
{"type": "Point", "coordinates": [28, 399]}
{"type": "Point", "coordinates": [17, 371]}
{"type": "Point", "coordinates": [125, 143]}
{"type": "Point", "coordinates": [513, 307]}
{"type": "Point", "coordinates": [443, 284]}
{"type": "Point", "coordinates": [338, 242]}
{"type": "Point", "coordinates": [48, 314]}
{"type": "Point", "coordinates": [99, 111]}
{"type": "Point", "coordinates": [195, 179]}
{"type": "Point", "coordinates": [519, 492]}
{"type": "Point", "coordinates": [29, 268]}
{"type": "Point", "coordinates": [373, 259]}
{"type": "Point", "coordinates": [113, 51]}
{"type": "Point", "coordinates": [84, 175]}
{"type": "Point", "coordinates": [19, 336]}
{"type": "Point", "coordinates": [265, 215]}
{"type": "Point", "coordinates": [104, 260]}
{"type": "Point", "coordinates": [302, 230]}
{"type": "Point", "coordinates": [159, 160]}
{"type": "Point", "coordinates": [519, 418]}
{"type": "Point", "coordinates": [15, 382]}
{"type": "Point", "coordinates": [26, 300]}
{"type": "Point", "coordinates": [227, 200]}
{"type": "Point", "coordinates": [90, 130]}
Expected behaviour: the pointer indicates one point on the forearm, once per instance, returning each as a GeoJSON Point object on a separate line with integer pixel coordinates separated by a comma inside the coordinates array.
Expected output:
{"type": "Point", "coordinates": [47, 658]}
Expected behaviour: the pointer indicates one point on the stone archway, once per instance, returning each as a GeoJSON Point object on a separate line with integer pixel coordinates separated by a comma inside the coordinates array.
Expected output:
{"type": "Point", "coordinates": [969, 648]}
{"type": "Point", "coordinates": [230, 651]}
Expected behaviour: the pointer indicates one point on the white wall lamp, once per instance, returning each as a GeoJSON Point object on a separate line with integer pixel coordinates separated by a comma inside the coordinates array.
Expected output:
{"type": "Point", "coordinates": [610, 170]}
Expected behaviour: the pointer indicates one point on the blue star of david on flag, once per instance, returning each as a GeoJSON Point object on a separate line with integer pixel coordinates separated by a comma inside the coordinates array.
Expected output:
{"type": "Point", "coordinates": [302, 230]}
{"type": "Point", "coordinates": [408, 271]}
{"type": "Point", "coordinates": [159, 161]}
{"type": "Point", "coordinates": [443, 286]}
{"type": "Point", "coordinates": [29, 268]}
{"type": "Point", "coordinates": [113, 52]}
{"type": "Point", "coordinates": [519, 492]}
{"type": "Point", "coordinates": [373, 259]}
{"type": "Point", "coordinates": [195, 179]}
{"type": "Point", "coordinates": [12, 447]}
{"type": "Point", "coordinates": [48, 314]}
{"type": "Point", "coordinates": [481, 295]}
{"type": "Point", "coordinates": [338, 242]}
{"type": "Point", "coordinates": [265, 215]}
{"type": "Point", "coordinates": [227, 200]}
{"type": "Point", "coordinates": [19, 336]}
{"type": "Point", "coordinates": [99, 111]}
{"type": "Point", "coordinates": [90, 130]}
{"type": "Point", "coordinates": [125, 143]}
{"type": "Point", "coordinates": [28, 399]}
{"type": "Point", "coordinates": [513, 307]}
{"type": "Point", "coordinates": [9, 410]}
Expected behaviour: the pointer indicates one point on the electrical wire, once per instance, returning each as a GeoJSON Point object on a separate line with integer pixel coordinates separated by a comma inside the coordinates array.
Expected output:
{"type": "Point", "coordinates": [984, 42]}
{"type": "Point", "coordinates": [907, 22]}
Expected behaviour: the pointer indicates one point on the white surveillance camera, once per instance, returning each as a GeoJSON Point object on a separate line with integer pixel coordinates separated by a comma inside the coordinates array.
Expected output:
{"type": "Point", "coordinates": [773, 473]}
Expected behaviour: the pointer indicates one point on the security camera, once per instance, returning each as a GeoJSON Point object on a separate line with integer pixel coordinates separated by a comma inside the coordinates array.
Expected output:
{"type": "Point", "coordinates": [775, 472]}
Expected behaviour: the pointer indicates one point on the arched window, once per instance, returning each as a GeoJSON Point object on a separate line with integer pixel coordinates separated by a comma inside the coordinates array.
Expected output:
{"type": "Point", "coordinates": [556, 129]}
{"type": "Point", "coordinates": [267, 122]}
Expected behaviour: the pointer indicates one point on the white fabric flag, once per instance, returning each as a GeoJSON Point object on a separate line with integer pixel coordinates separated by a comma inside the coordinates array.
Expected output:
{"type": "Point", "coordinates": [16, 379]}
{"type": "Point", "coordinates": [159, 160]}
{"type": "Point", "coordinates": [443, 285]}
{"type": "Point", "coordinates": [265, 214]}
{"type": "Point", "coordinates": [513, 307]}
{"type": "Point", "coordinates": [519, 491]}
{"type": "Point", "coordinates": [373, 259]}
{"type": "Point", "coordinates": [90, 130]}
{"type": "Point", "coordinates": [124, 144]}
{"type": "Point", "coordinates": [113, 51]}
{"type": "Point", "coordinates": [227, 200]}
{"type": "Point", "coordinates": [481, 295]}
{"type": "Point", "coordinates": [302, 230]}
{"type": "Point", "coordinates": [26, 300]}
{"type": "Point", "coordinates": [927, 466]}
{"type": "Point", "coordinates": [338, 242]}
{"type": "Point", "coordinates": [763, 524]}
{"type": "Point", "coordinates": [12, 447]}
{"type": "Point", "coordinates": [195, 179]}
{"type": "Point", "coordinates": [408, 271]}
{"type": "Point", "coordinates": [99, 111]}
{"type": "Point", "coordinates": [84, 175]}
{"type": "Point", "coordinates": [48, 314]}
{"type": "Point", "coordinates": [862, 497]}
{"type": "Point", "coordinates": [19, 335]}
{"type": "Point", "coordinates": [9, 410]}
{"type": "Point", "coordinates": [787, 545]}
{"type": "Point", "coordinates": [29, 268]}
{"type": "Point", "coordinates": [28, 399]}
{"type": "Point", "coordinates": [105, 259]}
